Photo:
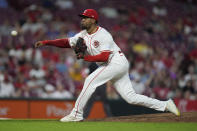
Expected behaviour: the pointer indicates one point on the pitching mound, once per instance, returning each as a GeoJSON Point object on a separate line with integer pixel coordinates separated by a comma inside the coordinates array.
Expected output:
{"type": "Point", "coordinates": [161, 117]}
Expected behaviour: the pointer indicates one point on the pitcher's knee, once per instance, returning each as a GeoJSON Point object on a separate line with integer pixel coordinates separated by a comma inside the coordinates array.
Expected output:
{"type": "Point", "coordinates": [88, 85]}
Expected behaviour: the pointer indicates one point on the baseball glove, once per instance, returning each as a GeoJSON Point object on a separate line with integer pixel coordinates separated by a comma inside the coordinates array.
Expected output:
{"type": "Point", "coordinates": [80, 48]}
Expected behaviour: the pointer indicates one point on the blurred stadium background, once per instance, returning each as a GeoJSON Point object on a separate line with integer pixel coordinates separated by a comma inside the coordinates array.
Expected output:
{"type": "Point", "coordinates": [159, 37]}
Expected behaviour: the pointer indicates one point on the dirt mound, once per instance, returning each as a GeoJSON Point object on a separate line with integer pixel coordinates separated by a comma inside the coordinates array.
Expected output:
{"type": "Point", "coordinates": [161, 117]}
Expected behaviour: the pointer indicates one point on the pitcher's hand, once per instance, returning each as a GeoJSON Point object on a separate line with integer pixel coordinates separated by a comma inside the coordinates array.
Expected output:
{"type": "Point", "coordinates": [38, 44]}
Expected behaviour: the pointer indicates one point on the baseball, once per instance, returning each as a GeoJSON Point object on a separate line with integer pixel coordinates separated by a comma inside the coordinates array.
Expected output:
{"type": "Point", "coordinates": [14, 33]}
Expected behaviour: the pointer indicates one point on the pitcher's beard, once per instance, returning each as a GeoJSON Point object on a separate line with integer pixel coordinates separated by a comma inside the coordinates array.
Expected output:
{"type": "Point", "coordinates": [83, 27]}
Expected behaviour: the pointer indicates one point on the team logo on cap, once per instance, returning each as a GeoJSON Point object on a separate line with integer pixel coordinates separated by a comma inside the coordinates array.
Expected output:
{"type": "Point", "coordinates": [96, 44]}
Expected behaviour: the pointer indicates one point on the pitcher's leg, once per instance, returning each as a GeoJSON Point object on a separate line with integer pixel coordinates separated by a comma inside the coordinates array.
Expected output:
{"type": "Point", "coordinates": [94, 80]}
{"type": "Point", "coordinates": [125, 89]}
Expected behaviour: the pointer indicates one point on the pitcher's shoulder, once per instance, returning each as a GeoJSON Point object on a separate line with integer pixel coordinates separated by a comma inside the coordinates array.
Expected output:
{"type": "Point", "coordinates": [104, 32]}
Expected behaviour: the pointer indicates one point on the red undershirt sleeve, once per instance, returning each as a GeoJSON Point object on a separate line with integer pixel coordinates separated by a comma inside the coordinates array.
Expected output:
{"type": "Point", "coordinates": [62, 43]}
{"type": "Point", "coordinates": [102, 57]}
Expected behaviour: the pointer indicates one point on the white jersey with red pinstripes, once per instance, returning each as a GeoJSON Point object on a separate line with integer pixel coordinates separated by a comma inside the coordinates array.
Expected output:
{"type": "Point", "coordinates": [97, 42]}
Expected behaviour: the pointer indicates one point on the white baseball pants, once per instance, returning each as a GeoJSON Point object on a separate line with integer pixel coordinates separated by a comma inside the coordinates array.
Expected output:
{"type": "Point", "coordinates": [117, 72]}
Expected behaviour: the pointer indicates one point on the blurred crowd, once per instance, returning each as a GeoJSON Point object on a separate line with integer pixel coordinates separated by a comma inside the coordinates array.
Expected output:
{"type": "Point", "coordinates": [159, 38]}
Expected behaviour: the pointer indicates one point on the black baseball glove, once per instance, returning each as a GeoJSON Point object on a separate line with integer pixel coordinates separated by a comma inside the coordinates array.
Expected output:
{"type": "Point", "coordinates": [80, 48]}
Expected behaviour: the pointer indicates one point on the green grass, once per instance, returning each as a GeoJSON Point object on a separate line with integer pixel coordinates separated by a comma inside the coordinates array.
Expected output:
{"type": "Point", "coordinates": [54, 125]}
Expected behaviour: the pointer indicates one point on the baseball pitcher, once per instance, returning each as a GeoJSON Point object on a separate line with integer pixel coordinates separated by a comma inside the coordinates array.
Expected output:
{"type": "Point", "coordinates": [95, 44]}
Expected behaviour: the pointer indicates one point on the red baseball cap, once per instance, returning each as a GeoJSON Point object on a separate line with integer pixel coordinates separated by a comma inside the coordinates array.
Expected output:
{"type": "Point", "coordinates": [91, 13]}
